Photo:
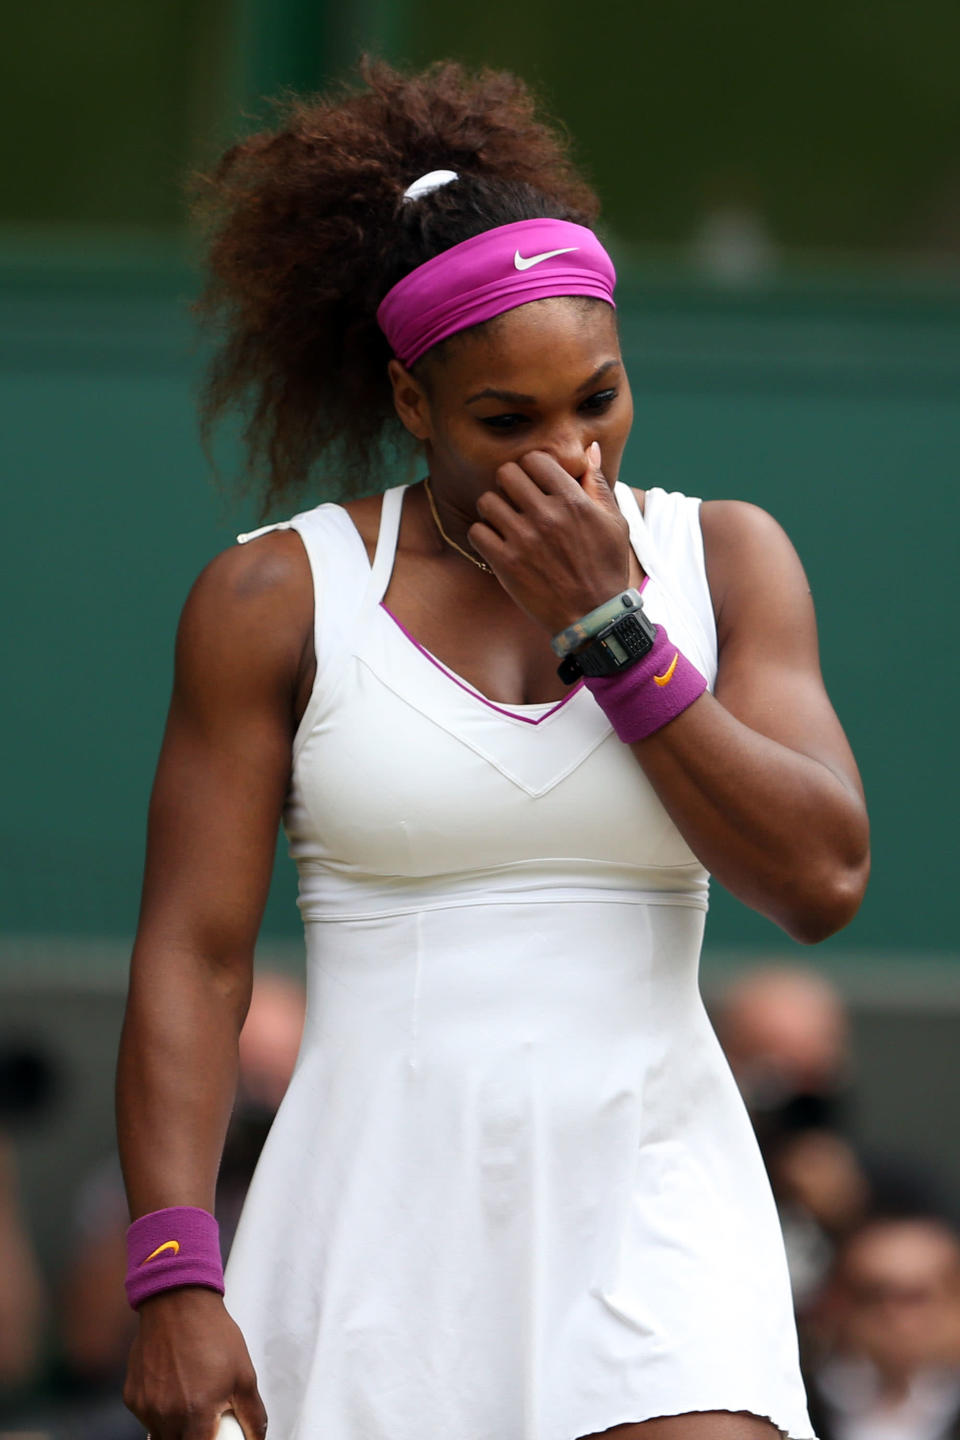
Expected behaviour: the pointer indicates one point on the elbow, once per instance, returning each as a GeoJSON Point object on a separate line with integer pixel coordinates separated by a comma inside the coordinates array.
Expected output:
{"type": "Point", "coordinates": [828, 905]}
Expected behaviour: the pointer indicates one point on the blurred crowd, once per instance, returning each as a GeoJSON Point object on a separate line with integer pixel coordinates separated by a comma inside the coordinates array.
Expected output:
{"type": "Point", "coordinates": [872, 1242]}
{"type": "Point", "coordinates": [63, 1349]}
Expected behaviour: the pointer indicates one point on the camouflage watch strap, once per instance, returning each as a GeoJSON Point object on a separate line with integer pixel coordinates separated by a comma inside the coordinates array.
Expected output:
{"type": "Point", "coordinates": [588, 627]}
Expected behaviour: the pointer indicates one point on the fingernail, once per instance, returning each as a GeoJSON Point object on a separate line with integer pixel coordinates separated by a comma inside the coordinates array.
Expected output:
{"type": "Point", "coordinates": [593, 455]}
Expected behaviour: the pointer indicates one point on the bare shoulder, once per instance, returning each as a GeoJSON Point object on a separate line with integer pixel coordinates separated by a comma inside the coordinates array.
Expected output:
{"type": "Point", "coordinates": [750, 560]}
{"type": "Point", "coordinates": [268, 569]}
{"type": "Point", "coordinates": [739, 527]}
{"type": "Point", "coordinates": [252, 605]}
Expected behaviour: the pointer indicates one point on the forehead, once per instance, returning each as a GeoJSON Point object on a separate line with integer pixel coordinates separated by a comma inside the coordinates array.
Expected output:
{"type": "Point", "coordinates": [903, 1253]}
{"type": "Point", "coordinates": [545, 345]}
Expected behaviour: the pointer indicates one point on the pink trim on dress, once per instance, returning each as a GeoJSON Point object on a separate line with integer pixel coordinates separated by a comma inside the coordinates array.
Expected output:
{"type": "Point", "coordinates": [501, 710]}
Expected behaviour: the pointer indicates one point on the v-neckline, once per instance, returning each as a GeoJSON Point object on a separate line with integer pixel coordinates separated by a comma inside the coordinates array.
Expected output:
{"type": "Point", "coordinates": [529, 713]}
{"type": "Point", "coordinates": [514, 712]}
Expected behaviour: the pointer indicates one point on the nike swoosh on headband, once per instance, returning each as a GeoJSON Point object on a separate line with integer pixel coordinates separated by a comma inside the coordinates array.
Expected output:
{"type": "Point", "coordinates": [524, 264]}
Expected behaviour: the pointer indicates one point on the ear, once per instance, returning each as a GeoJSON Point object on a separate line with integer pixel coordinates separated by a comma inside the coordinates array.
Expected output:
{"type": "Point", "coordinates": [410, 401]}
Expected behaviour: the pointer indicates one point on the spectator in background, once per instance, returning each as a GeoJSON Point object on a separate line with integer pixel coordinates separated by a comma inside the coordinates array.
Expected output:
{"type": "Point", "coordinates": [785, 1033]}
{"type": "Point", "coordinates": [21, 1289]}
{"type": "Point", "coordinates": [885, 1358]}
{"type": "Point", "coordinates": [29, 1086]}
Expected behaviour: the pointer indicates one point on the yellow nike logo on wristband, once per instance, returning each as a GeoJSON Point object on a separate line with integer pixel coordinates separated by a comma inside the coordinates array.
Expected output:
{"type": "Point", "coordinates": [667, 675]}
{"type": "Point", "coordinates": [173, 1245]}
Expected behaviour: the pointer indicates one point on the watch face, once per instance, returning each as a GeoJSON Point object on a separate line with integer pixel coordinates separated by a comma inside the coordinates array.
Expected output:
{"type": "Point", "coordinates": [633, 640]}
{"type": "Point", "coordinates": [625, 641]}
{"type": "Point", "coordinates": [615, 649]}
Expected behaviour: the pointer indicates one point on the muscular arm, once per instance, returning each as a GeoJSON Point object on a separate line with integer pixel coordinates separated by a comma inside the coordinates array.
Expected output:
{"type": "Point", "coordinates": [759, 778]}
{"type": "Point", "coordinates": [243, 642]}
{"type": "Point", "coordinates": [216, 803]}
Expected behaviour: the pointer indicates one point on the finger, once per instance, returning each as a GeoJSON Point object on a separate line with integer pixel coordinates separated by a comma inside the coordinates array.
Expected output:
{"type": "Point", "coordinates": [594, 484]}
{"type": "Point", "coordinates": [547, 473]}
{"type": "Point", "coordinates": [517, 486]}
{"type": "Point", "coordinates": [487, 543]}
{"type": "Point", "coordinates": [197, 1428]}
{"type": "Point", "coordinates": [497, 512]}
{"type": "Point", "coordinates": [228, 1426]}
{"type": "Point", "coordinates": [249, 1410]}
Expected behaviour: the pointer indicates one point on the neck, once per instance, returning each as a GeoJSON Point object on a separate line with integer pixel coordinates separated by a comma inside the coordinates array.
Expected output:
{"type": "Point", "coordinates": [450, 527]}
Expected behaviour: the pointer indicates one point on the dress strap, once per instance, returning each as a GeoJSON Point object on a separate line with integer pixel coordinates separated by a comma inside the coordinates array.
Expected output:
{"type": "Point", "coordinates": [385, 553]}
{"type": "Point", "coordinates": [264, 530]}
{"type": "Point", "coordinates": [667, 540]}
{"type": "Point", "coordinates": [640, 539]}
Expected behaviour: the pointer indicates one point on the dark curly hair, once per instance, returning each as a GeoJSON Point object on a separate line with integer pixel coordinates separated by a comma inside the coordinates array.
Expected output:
{"type": "Point", "coordinates": [307, 232]}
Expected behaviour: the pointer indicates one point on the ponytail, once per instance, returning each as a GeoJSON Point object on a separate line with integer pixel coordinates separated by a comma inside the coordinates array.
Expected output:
{"type": "Point", "coordinates": [307, 229]}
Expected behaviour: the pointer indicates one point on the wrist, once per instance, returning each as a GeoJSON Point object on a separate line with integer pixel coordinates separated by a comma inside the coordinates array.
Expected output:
{"type": "Point", "coordinates": [581, 632]}
{"type": "Point", "coordinates": [177, 1302]}
{"type": "Point", "coordinates": [646, 695]}
{"type": "Point", "coordinates": [614, 637]}
{"type": "Point", "coordinates": [170, 1249]}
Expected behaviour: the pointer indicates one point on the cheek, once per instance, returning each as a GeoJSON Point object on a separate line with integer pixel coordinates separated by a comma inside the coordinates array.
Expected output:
{"type": "Point", "coordinates": [622, 418]}
{"type": "Point", "coordinates": [614, 438]}
{"type": "Point", "coordinates": [468, 449]}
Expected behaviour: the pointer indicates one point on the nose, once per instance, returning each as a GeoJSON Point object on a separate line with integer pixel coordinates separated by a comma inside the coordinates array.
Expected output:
{"type": "Point", "coordinates": [569, 448]}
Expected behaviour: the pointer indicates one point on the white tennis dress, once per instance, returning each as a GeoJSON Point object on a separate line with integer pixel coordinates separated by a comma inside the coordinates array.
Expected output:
{"type": "Point", "coordinates": [512, 1192]}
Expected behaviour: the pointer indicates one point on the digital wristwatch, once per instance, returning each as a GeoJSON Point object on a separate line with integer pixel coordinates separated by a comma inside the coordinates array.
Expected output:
{"type": "Point", "coordinates": [617, 645]}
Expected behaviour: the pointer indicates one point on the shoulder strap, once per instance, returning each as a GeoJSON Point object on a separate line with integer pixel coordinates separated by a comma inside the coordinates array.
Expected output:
{"type": "Point", "coordinates": [626, 498]}
{"type": "Point", "coordinates": [668, 542]}
{"type": "Point", "coordinates": [391, 509]}
{"type": "Point", "coordinates": [341, 574]}
{"type": "Point", "coordinates": [264, 530]}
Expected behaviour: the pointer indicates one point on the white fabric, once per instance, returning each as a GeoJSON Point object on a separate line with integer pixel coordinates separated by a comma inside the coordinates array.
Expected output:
{"type": "Point", "coordinates": [512, 1192]}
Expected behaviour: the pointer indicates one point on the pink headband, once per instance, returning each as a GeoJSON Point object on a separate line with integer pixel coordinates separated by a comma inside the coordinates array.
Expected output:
{"type": "Point", "coordinates": [491, 273]}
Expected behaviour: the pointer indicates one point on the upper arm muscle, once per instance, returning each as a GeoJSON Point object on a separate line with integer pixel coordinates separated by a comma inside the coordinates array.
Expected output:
{"type": "Point", "coordinates": [225, 760]}
{"type": "Point", "coordinates": [769, 668]}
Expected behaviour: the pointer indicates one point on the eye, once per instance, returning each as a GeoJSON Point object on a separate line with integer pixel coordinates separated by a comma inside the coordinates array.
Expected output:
{"type": "Point", "coordinates": [599, 402]}
{"type": "Point", "coordinates": [503, 422]}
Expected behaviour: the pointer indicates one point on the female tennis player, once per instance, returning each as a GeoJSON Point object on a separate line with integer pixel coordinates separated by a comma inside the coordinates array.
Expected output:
{"type": "Point", "coordinates": [511, 715]}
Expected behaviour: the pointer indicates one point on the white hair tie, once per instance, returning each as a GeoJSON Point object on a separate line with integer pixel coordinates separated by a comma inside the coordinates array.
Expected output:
{"type": "Point", "coordinates": [432, 181]}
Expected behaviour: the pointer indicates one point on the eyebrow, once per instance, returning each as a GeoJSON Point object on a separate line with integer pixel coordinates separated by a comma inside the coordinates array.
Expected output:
{"type": "Point", "coordinates": [513, 397]}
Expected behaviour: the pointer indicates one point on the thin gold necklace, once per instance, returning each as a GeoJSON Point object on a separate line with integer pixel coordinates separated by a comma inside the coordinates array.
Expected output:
{"type": "Point", "coordinates": [474, 559]}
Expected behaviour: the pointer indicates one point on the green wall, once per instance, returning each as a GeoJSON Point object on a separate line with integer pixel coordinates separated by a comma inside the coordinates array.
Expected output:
{"type": "Point", "coordinates": [837, 406]}
{"type": "Point", "coordinates": [835, 120]}
{"type": "Point", "coordinates": [105, 106]}
{"type": "Point", "coordinates": [829, 396]}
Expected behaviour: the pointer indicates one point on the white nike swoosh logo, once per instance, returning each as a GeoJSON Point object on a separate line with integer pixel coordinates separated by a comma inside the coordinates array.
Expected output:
{"type": "Point", "coordinates": [523, 264]}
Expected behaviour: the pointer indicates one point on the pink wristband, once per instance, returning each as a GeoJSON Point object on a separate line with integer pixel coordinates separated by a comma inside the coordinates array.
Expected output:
{"type": "Point", "coordinates": [177, 1246]}
{"type": "Point", "coordinates": [644, 697]}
